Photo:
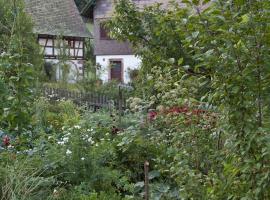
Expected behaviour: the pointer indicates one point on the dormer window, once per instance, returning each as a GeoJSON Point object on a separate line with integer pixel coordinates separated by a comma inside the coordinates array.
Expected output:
{"type": "Point", "coordinates": [104, 32]}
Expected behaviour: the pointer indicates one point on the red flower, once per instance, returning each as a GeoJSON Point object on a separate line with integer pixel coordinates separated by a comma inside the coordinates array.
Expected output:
{"type": "Point", "coordinates": [152, 115]}
{"type": "Point", "coordinates": [198, 112]}
{"type": "Point", "coordinates": [6, 140]}
{"type": "Point", "coordinates": [177, 110]}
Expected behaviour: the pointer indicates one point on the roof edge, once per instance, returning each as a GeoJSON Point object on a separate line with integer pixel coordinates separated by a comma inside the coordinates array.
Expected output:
{"type": "Point", "coordinates": [88, 6]}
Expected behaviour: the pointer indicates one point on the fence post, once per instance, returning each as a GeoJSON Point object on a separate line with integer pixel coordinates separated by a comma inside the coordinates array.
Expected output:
{"type": "Point", "coordinates": [120, 103]}
{"type": "Point", "coordinates": [146, 180]}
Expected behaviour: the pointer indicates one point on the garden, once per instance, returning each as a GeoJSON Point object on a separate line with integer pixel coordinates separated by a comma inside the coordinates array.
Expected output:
{"type": "Point", "coordinates": [199, 111]}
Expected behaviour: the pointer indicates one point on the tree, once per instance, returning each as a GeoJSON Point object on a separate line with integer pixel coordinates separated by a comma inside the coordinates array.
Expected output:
{"type": "Point", "coordinates": [217, 58]}
{"type": "Point", "coordinates": [19, 63]}
{"type": "Point", "coordinates": [156, 35]}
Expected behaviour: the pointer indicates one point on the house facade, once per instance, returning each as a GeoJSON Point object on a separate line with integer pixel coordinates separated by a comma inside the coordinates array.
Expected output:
{"type": "Point", "coordinates": [61, 35]}
{"type": "Point", "coordinates": [115, 59]}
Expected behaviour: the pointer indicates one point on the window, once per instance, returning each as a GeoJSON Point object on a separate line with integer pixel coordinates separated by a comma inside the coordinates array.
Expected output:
{"type": "Point", "coordinates": [104, 33]}
{"type": "Point", "coordinates": [116, 70]}
{"type": "Point", "coordinates": [71, 43]}
{"type": "Point", "coordinates": [74, 47]}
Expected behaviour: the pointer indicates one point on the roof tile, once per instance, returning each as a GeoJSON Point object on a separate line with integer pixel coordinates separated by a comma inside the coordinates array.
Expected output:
{"type": "Point", "coordinates": [56, 17]}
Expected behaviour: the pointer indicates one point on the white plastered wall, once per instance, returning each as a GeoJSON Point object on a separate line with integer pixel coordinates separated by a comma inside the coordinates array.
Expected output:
{"type": "Point", "coordinates": [129, 62]}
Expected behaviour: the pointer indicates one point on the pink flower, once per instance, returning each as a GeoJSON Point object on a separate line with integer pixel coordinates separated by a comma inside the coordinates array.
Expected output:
{"type": "Point", "coordinates": [6, 140]}
{"type": "Point", "coordinates": [151, 115]}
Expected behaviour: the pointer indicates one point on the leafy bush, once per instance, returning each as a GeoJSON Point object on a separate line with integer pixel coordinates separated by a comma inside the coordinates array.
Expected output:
{"type": "Point", "coordinates": [201, 118]}
{"type": "Point", "coordinates": [55, 115]}
{"type": "Point", "coordinates": [19, 62]}
{"type": "Point", "coordinates": [214, 57]}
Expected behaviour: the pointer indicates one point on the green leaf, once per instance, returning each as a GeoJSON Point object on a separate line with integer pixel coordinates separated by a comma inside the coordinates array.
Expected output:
{"type": "Point", "coordinates": [245, 18]}
{"type": "Point", "coordinates": [180, 61]}
{"type": "Point", "coordinates": [186, 67]}
{"type": "Point", "coordinates": [195, 34]}
{"type": "Point", "coordinates": [195, 2]}
{"type": "Point", "coordinates": [163, 188]}
{"type": "Point", "coordinates": [10, 98]}
{"type": "Point", "coordinates": [154, 174]}
{"type": "Point", "coordinates": [206, 1]}
{"type": "Point", "coordinates": [139, 184]}
{"type": "Point", "coordinates": [171, 60]}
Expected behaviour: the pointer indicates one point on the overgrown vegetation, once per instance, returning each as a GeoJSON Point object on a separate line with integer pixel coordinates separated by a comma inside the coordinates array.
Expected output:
{"type": "Point", "coordinates": [213, 59]}
{"type": "Point", "coordinates": [19, 62]}
{"type": "Point", "coordinates": [200, 114]}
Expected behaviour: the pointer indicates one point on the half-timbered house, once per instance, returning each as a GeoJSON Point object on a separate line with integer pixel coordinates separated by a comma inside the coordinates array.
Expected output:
{"type": "Point", "coordinates": [61, 34]}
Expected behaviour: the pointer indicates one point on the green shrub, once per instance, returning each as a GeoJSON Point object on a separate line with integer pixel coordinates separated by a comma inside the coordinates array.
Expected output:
{"type": "Point", "coordinates": [19, 63]}
{"type": "Point", "coordinates": [102, 196]}
{"type": "Point", "coordinates": [21, 180]}
{"type": "Point", "coordinates": [55, 115]}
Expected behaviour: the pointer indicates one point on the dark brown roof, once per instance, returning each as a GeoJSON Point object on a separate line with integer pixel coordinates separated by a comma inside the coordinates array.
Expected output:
{"type": "Point", "coordinates": [56, 17]}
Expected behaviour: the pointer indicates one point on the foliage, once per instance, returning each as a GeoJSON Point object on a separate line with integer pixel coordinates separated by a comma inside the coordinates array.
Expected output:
{"type": "Point", "coordinates": [147, 31]}
{"type": "Point", "coordinates": [18, 66]}
{"type": "Point", "coordinates": [16, 33]}
{"type": "Point", "coordinates": [90, 65]}
{"type": "Point", "coordinates": [212, 58]}
{"type": "Point", "coordinates": [21, 180]}
{"type": "Point", "coordinates": [201, 117]}
{"type": "Point", "coordinates": [54, 116]}
{"type": "Point", "coordinates": [16, 96]}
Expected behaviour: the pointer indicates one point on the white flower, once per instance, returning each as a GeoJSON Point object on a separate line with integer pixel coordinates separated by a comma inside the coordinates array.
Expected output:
{"type": "Point", "coordinates": [65, 139]}
{"type": "Point", "coordinates": [68, 134]}
{"type": "Point", "coordinates": [50, 137]}
{"type": "Point", "coordinates": [61, 143]}
{"type": "Point", "coordinates": [68, 152]}
{"type": "Point", "coordinates": [77, 127]}
{"type": "Point", "coordinates": [90, 139]}
{"type": "Point", "coordinates": [82, 158]}
{"type": "Point", "coordinates": [88, 130]}
{"type": "Point", "coordinates": [63, 128]}
{"type": "Point", "coordinates": [96, 145]}
{"type": "Point", "coordinates": [107, 134]}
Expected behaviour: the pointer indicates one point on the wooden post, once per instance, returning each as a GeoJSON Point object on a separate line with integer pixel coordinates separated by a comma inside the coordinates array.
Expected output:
{"type": "Point", "coordinates": [146, 180]}
{"type": "Point", "coordinates": [120, 104]}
